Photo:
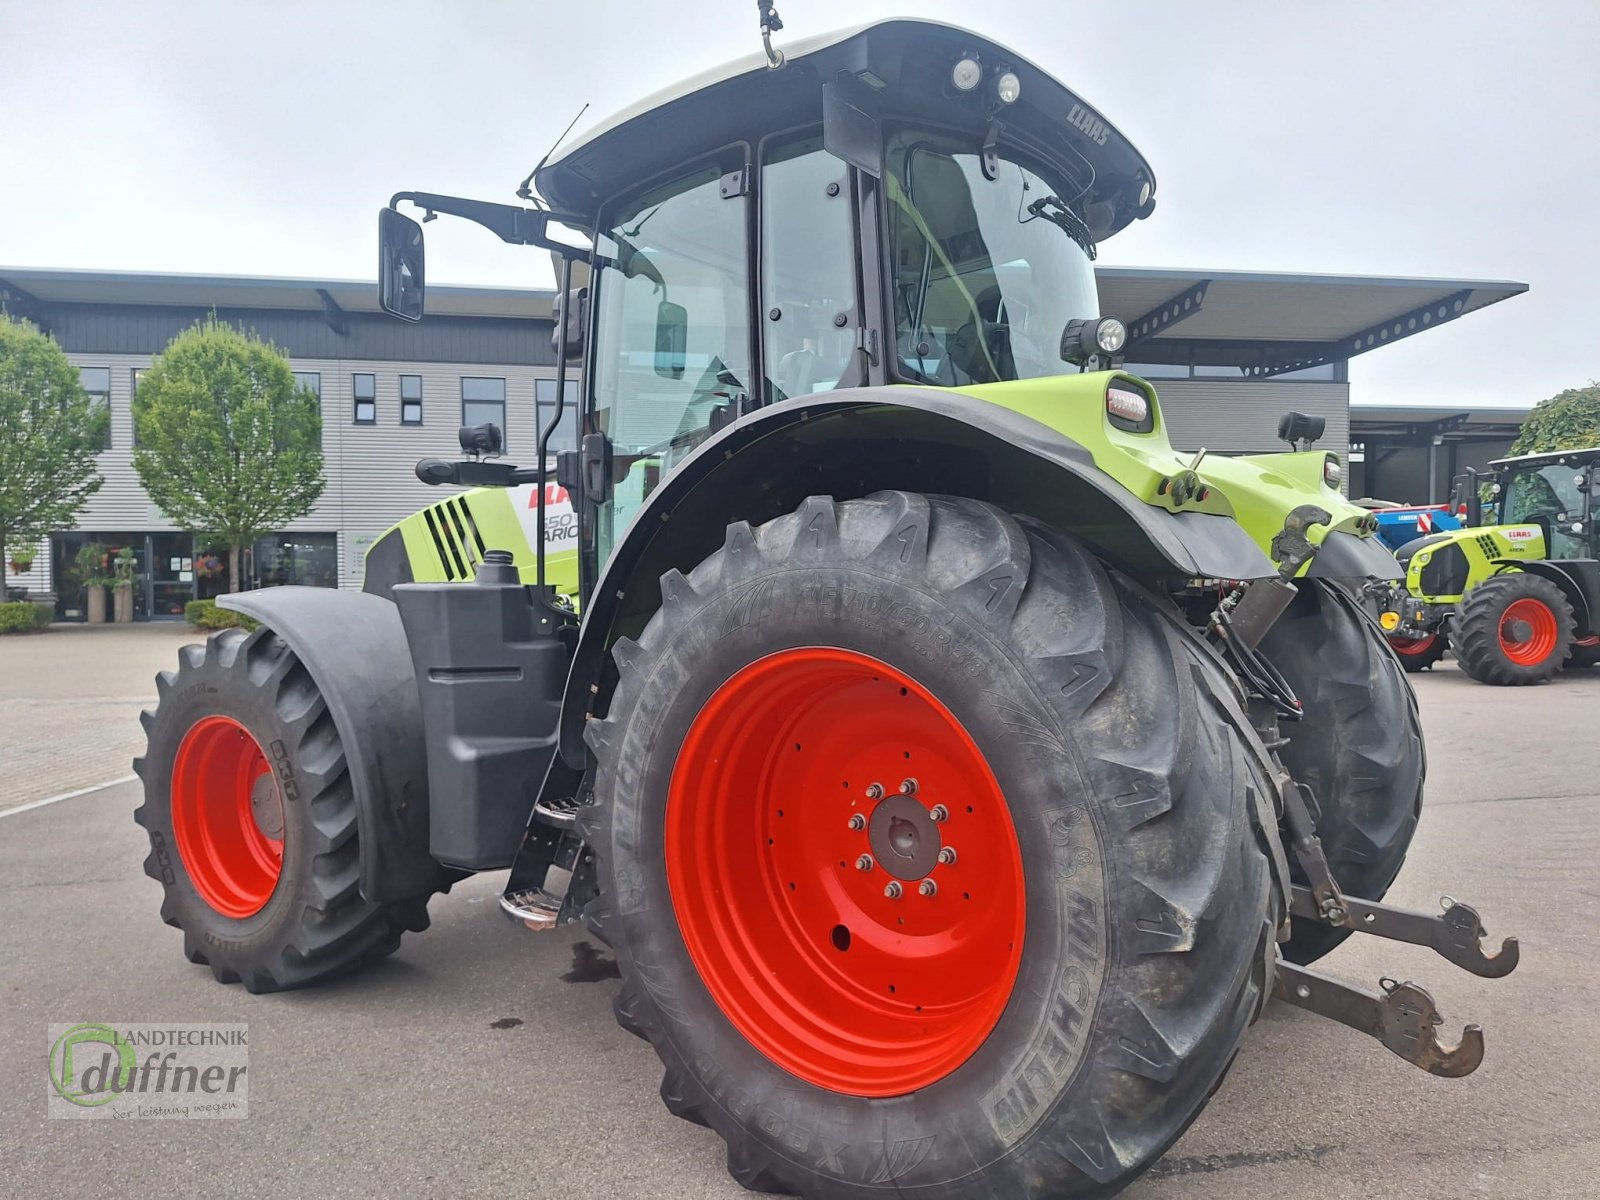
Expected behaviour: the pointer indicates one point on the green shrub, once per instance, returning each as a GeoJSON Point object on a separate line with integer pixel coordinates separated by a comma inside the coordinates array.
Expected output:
{"type": "Point", "coordinates": [204, 614]}
{"type": "Point", "coordinates": [24, 616]}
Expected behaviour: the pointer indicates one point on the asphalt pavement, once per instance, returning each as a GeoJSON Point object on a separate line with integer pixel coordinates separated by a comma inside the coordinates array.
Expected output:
{"type": "Point", "coordinates": [483, 1060]}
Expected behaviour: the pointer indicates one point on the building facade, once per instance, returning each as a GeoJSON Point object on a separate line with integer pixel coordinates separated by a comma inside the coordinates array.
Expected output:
{"type": "Point", "coordinates": [391, 394]}
{"type": "Point", "coordinates": [1229, 353]}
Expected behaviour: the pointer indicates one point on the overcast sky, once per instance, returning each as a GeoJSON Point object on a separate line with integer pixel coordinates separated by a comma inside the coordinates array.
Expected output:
{"type": "Point", "coordinates": [1440, 139]}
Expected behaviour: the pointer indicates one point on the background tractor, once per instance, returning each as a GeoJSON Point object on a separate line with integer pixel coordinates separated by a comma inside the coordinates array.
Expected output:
{"type": "Point", "coordinates": [1517, 598]}
{"type": "Point", "coordinates": [954, 767]}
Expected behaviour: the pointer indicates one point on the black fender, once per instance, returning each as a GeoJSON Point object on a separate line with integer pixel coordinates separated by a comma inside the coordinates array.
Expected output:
{"type": "Point", "coordinates": [354, 647]}
{"type": "Point", "coordinates": [853, 443]}
{"type": "Point", "coordinates": [1579, 581]}
{"type": "Point", "coordinates": [1347, 556]}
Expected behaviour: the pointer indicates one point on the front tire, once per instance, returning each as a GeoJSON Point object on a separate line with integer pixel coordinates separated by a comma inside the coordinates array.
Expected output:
{"type": "Point", "coordinates": [252, 820]}
{"type": "Point", "coordinates": [1359, 747]}
{"type": "Point", "coordinates": [1512, 630]}
{"type": "Point", "coordinates": [1049, 1016]}
{"type": "Point", "coordinates": [1418, 654]}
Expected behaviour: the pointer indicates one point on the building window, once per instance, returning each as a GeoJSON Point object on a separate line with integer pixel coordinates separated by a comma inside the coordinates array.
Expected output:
{"type": "Point", "coordinates": [365, 390]}
{"type": "Point", "coordinates": [411, 399]}
{"type": "Point", "coordinates": [303, 559]}
{"type": "Point", "coordinates": [483, 400]}
{"type": "Point", "coordinates": [133, 390]}
{"type": "Point", "coordinates": [97, 382]}
{"type": "Point", "coordinates": [566, 435]}
{"type": "Point", "coordinates": [311, 381]}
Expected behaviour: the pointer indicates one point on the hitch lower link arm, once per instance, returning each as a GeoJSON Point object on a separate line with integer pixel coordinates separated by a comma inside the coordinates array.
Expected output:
{"type": "Point", "coordinates": [1402, 1016]}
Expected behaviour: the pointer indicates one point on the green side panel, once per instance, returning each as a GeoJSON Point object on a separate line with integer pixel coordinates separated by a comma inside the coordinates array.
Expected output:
{"type": "Point", "coordinates": [1257, 490]}
{"type": "Point", "coordinates": [1488, 548]}
{"type": "Point", "coordinates": [445, 541]}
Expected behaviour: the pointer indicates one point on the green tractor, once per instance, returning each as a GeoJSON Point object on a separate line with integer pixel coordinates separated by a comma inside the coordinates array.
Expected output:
{"type": "Point", "coordinates": [1516, 599]}
{"type": "Point", "coordinates": [954, 768]}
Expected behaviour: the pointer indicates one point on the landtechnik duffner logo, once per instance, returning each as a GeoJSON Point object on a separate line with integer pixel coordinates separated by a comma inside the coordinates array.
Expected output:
{"type": "Point", "coordinates": [152, 1071]}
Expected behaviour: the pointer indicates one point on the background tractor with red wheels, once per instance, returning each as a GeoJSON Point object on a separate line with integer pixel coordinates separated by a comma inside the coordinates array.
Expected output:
{"type": "Point", "coordinates": [1516, 599]}
{"type": "Point", "coordinates": [955, 768]}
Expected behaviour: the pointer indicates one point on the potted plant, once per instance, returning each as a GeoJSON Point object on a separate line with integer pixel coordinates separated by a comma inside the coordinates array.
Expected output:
{"type": "Point", "coordinates": [89, 569]}
{"type": "Point", "coordinates": [22, 559]}
{"type": "Point", "coordinates": [124, 565]}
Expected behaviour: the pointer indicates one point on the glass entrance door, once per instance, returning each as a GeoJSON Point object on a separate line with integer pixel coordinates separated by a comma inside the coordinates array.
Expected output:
{"type": "Point", "coordinates": [171, 575]}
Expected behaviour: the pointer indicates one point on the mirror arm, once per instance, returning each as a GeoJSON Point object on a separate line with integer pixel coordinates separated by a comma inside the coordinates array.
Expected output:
{"type": "Point", "coordinates": [519, 226]}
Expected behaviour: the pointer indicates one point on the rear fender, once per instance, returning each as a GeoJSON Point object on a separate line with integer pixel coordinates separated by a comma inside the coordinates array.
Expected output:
{"type": "Point", "coordinates": [852, 444]}
{"type": "Point", "coordinates": [354, 647]}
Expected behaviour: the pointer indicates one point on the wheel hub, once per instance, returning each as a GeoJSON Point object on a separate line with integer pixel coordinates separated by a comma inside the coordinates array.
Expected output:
{"type": "Point", "coordinates": [266, 809]}
{"type": "Point", "coordinates": [1518, 632]}
{"type": "Point", "coordinates": [903, 837]}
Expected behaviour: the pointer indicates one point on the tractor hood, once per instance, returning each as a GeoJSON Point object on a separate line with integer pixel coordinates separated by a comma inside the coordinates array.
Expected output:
{"type": "Point", "coordinates": [907, 65]}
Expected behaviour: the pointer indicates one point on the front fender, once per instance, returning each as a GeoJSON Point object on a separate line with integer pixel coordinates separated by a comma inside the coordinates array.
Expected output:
{"type": "Point", "coordinates": [354, 647]}
{"type": "Point", "coordinates": [852, 444]}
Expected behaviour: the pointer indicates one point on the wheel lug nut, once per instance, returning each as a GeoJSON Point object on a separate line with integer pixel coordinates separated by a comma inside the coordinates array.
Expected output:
{"type": "Point", "coordinates": [927, 888]}
{"type": "Point", "coordinates": [939, 812]}
{"type": "Point", "coordinates": [857, 822]}
{"type": "Point", "coordinates": [948, 855]}
{"type": "Point", "coordinates": [864, 863]}
{"type": "Point", "coordinates": [908, 787]}
{"type": "Point", "coordinates": [893, 890]}
{"type": "Point", "coordinates": [874, 791]}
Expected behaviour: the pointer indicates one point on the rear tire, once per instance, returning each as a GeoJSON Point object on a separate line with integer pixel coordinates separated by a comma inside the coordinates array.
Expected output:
{"type": "Point", "coordinates": [240, 730]}
{"type": "Point", "coordinates": [1418, 654]}
{"type": "Point", "coordinates": [1512, 630]}
{"type": "Point", "coordinates": [1359, 747]}
{"type": "Point", "coordinates": [1121, 765]}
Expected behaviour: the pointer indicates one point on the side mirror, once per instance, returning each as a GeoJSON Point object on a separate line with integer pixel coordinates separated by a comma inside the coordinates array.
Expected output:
{"type": "Point", "coordinates": [401, 269]}
{"type": "Point", "coordinates": [567, 335]}
{"type": "Point", "coordinates": [672, 339]}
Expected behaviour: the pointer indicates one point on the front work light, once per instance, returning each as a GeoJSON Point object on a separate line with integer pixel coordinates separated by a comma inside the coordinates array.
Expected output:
{"type": "Point", "coordinates": [1332, 472]}
{"type": "Point", "coordinates": [966, 75]}
{"type": "Point", "coordinates": [1008, 87]}
{"type": "Point", "coordinates": [1085, 339]}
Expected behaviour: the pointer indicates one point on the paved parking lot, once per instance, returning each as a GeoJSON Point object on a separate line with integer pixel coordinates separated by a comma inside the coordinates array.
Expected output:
{"type": "Point", "coordinates": [484, 1060]}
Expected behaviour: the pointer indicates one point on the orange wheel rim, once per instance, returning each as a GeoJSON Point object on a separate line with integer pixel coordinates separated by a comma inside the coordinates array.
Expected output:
{"type": "Point", "coordinates": [227, 817]}
{"type": "Point", "coordinates": [1413, 647]}
{"type": "Point", "coordinates": [864, 942]}
{"type": "Point", "coordinates": [1528, 632]}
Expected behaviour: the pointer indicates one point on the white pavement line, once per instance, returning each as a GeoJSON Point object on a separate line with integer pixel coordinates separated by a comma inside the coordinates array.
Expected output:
{"type": "Point", "coordinates": [99, 787]}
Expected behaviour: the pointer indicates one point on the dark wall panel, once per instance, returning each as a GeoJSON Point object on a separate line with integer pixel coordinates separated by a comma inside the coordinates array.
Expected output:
{"type": "Point", "coordinates": [127, 329]}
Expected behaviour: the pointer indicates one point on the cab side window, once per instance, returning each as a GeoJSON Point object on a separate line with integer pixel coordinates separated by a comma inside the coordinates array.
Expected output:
{"type": "Point", "coordinates": [809, 313]}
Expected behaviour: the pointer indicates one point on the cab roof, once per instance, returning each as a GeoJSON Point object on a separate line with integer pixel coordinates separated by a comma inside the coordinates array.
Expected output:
{"type": "Point", "coordinates": [1586, 454]}
{"type": "Point", "coordinates": [907, 62]}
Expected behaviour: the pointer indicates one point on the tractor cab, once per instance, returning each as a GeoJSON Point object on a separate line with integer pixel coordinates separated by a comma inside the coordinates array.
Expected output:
{"type": "Point", "coordinates": [1557, 491]}
{"type": "Point", "coordinates": [903, 202]}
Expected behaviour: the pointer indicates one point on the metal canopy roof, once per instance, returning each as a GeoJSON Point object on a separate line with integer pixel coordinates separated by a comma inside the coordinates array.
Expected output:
{"type": "Point", "coordinates": [1269, 322]}
{"type": "Point", "coordinates": [1263, 322]}
{"type": "Point", "coordinates": [1420, 423]}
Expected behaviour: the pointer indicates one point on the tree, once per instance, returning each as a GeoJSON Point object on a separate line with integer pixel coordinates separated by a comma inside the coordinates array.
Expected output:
{"type": "Point", "coordinates": [228, 445]}
{"type": "Point", "coordinates": [1569, 420]}
{"type": "Point", "coordinates": [50, 432]}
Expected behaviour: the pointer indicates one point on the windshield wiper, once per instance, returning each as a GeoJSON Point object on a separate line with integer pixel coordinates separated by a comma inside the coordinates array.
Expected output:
{"type": "Point", "coordinates": [1055, 210]}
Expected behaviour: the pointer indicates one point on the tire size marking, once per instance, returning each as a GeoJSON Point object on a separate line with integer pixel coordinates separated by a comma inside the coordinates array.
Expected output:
{"type": "Point", "coordinates": [280, 756]}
